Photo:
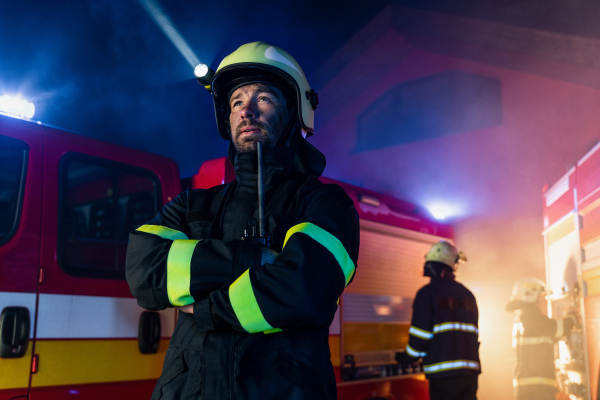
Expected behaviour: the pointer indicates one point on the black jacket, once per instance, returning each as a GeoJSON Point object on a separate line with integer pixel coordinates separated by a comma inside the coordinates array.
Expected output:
{"type": "Point", "coordinates": [258, 331]}
{"type": "Point", "coordinates": [444, 330]}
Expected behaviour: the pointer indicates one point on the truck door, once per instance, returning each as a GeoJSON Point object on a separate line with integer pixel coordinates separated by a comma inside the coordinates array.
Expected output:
{"type": "Point", "coordinates": [20, 229]}
{"type": "Point", "coordinates": [93, 340]}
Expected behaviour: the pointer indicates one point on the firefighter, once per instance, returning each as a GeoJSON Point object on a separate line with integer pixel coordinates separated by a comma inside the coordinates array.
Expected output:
{"type": "Point", "coordinates": [254, 319]}
{"type": "Point", "coordinates": [534, 335]}
{"type": "Point", "coordinates": [444, 330]}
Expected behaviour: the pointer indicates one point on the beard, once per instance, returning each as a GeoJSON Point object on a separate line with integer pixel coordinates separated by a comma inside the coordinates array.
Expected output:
{"type": "Point", "coordinates": [248, 144]}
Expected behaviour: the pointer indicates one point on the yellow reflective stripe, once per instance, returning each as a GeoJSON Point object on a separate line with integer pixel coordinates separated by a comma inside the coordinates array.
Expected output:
{"type": "Point", "coordinates": [455, 326]}
{"type": "Point", "coordinates": [531, 341]}
{"type": "Point", "coordinates": [330, 242]}
{"type": "Point", "coordinates": [534, 380]}
{"type": "Point", "coordinates": [245, 306]}
{"type": "Point", "coordinates": [178, 272]}
{"type": "Point", "coordinates": [178, 263]}
{"type": "Point", "coordinates": [448, 365]}
{"type": "Point", "coordinates": [162, 231]}
{"type": "Point", "coordinates": [560, 329]}
{"type": "Point", "coordinates": [420, 333]}
{"type": "Point", "coordinates": [415, 353]}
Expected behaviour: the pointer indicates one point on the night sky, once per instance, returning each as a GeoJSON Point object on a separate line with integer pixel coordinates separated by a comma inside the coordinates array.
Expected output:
{"type": "Point", "coordinates": [106, 70]}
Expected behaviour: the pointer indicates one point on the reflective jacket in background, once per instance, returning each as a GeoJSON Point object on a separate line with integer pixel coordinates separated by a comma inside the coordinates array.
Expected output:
{"type": "Point", "coordinates": [534, 335]}
{"type": "Point", "coordinates": [258, 331]}
{"type": "Point", "coordinates": [444, 330]}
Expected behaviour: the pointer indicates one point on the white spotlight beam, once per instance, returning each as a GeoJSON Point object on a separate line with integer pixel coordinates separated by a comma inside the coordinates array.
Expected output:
{"type": "Point", "coordinates": [166, 25]}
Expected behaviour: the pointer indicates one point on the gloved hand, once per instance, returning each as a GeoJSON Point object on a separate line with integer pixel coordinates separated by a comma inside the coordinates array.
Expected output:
{"type": "Point", "coordinates": [404, 359]}
{"type": "Point", "coordinates": [268, 256]}
{"type": "Point", "coordinates": [571, 320]}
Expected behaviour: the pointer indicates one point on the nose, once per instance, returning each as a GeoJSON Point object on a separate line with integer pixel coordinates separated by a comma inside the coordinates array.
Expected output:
{"type": "Point", "coordinates": [247, 111]}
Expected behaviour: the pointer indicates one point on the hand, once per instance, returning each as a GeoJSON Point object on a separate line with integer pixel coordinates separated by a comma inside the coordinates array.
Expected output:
{"type": "Point", "coordinates": [404, 359]}
{"type": "Point", "coordinates": [189, 309]}
{"type": "Point", "coordinates": [268, 256]}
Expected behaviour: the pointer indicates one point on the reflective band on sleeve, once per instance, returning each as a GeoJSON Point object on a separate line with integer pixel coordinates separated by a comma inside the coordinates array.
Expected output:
{"type": "Point", "coordinates": [330, 242]}
{"type": "Point", "coordinates": [560, 328]}
{"type": "Point", "coordinates": [414, 353]}
{"type": "Point", "coordinates": [532, 341]}
{"type": "Point", "coordinates": [534, 380]}
{"type": "Point", "coordinates": [178, 272]}
{"type": "Point", "coordinates": [178, 263]}
{"type": "Point", "coordinates": [245, 306]}
{"type": "Point", "coordinates": [455, 326]}
{"type": "Point", "coordinates": [162, 231]}
{"type": "Point", "coordinates": [448, 365]}
{"type": "Point", "coordinates": [420, 333]}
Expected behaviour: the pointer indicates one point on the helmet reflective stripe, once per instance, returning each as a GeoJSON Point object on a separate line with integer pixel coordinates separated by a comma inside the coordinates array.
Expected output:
{"type": "Point", "coordinates": [447, 365]}
{"type": "Point", "coordinates": [455, 326]}
{"type": "Point", "coordinates": [178, 263]}
{"type": "Point", "coordinates": [272, 54]}
{"type": "Point", "coordinates": [245, 306]}
{"type": "Point", "coordinates": [330, 242]}
{"type": "Point", "coordinates": [420, 333]}
{"type": "Point", "coordinates": [414, 353]}
{"type": "Point", "coordinates": [534, 380]}
{"type": "Point", "coordinates": [531, 341]}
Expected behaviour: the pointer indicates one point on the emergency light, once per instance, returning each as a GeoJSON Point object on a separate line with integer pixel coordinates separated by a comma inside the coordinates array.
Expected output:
{"type": "Point", "coordinates": [204, 75]}
{"type": "Point", "coordinates": [16, 106]}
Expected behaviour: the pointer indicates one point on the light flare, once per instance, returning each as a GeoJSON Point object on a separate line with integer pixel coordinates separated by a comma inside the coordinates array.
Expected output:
{"type": "Point", "coordinates": [16, 106]}
{"type": "Point", "coordinates": [166, 25]}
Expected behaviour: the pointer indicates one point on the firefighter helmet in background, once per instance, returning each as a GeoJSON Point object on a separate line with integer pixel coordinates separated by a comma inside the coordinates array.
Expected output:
{"type": "Point", "coordinates": [527, 290]}
{"type": "Point", "coordinates": [445, 253]}
{"type": "Point", "coordinates": [259, 62]}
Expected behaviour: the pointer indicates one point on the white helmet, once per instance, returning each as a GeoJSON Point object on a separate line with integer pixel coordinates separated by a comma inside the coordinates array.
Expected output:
{"type": "Point", "coordinates": [527, 290]}
{"type": "Point", "coordinates": [445, 253]}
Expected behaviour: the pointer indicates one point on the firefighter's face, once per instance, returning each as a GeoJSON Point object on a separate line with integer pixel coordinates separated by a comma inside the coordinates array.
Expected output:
{"type": "Point", "coordinates": [258, 114]}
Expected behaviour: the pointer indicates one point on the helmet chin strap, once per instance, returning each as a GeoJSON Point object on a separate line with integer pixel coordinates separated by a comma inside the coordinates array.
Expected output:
{"type": "Point", "coordinates": [290, 129]}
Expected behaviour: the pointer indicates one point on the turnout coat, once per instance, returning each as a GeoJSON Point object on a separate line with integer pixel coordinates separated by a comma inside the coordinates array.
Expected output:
{"type": "Point", "coordinates": [444, 330]}
{"type": "Point", "coordinates": [534, 338]}
{"type": "Point", "coordinates": [258, 331]}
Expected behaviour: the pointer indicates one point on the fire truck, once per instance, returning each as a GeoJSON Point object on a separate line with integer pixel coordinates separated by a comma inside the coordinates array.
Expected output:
{"type": "Point", "coordinates": [571, 220]}
{"type": "Point", "coordinates": [68, 323]}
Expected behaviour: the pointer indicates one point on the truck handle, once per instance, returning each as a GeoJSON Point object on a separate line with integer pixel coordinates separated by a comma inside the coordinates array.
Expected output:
{"type": "Point", "coordinates": [149, 332]}
{"type": "Point", "coordinates": [14, 332]}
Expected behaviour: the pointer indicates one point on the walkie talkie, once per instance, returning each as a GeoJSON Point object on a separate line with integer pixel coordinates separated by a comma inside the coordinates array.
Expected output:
{"type": "Point", "coordinates": [263, 236]}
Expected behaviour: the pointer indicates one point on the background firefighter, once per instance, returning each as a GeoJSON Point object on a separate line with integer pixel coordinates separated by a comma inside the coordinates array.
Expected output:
{"type": "Point", "coordinates": [534, 335]}
{"type": "Point", "coordinates": [444, 329]}
{"type": "Point", "coordinates": [255, 321]}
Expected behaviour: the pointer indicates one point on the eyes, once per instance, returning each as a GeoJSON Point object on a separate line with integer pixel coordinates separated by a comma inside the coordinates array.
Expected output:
{"type": "Point", "coordinates": [263, 98]}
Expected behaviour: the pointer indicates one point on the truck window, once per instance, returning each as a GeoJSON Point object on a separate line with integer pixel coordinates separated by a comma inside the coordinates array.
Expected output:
{"type": "Point", "coordinates": [13, 162]}
{"type": "Point", "coordinates": [100, 203]}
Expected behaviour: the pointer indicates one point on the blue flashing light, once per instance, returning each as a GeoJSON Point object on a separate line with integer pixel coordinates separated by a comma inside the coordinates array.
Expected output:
{"type": "Point", "coordinates": [438, 214]}
{"type": "Point", "coordinates": [16, 106]}
{"type": "Point", "coordinates": [442, 211]}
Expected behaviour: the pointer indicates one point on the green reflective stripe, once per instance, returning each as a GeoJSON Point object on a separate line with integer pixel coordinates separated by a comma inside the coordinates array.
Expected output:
{"type": "Point", "coordinates": [178, 272]}
{"type": "Point", "coordinates": [162, 231]}
{"type": "Point", "coordinates": [330, 242]}
{"type": "Point", "coordinates": [245, 306]}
